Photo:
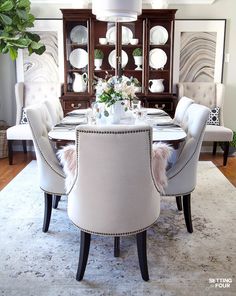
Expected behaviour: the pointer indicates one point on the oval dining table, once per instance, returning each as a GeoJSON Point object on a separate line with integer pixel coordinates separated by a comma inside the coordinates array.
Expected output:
{"type": "Point", "coordinates": [164, 130]}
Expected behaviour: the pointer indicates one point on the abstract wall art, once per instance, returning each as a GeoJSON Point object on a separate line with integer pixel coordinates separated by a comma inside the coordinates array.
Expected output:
{"type": "Point", "coordinates": [198, 50]}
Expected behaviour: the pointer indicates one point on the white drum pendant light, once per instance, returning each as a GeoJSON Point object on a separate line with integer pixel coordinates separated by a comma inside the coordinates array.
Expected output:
{"type": "Point", "coordinates": [117, 10]}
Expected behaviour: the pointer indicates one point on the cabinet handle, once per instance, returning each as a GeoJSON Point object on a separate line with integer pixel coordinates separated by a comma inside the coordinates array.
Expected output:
{"type": "Point", "coordinates": [162, 106]}
{"type": "Point", "coordinates": [75, 107]}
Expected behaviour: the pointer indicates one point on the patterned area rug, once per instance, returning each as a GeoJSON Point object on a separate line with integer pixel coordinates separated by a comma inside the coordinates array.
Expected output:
{"type": "Point", "coordinates": [33, 263]}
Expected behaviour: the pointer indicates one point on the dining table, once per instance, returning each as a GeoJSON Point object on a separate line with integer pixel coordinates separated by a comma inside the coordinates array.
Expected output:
{"type": "Point", "coordinates": [163, 126]}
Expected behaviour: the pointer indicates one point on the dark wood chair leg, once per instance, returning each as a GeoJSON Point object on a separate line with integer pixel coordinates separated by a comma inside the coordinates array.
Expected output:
{"type": "Point", "coordinates": [56, 199]}
{"type": "Point", "coordinates": [10, 152]}
{"type": "Point", "coordinates": [24, 144]}
{"type": "Point", "coordinates": [142, 254]}
{"type": "Point", "coordinates": [116, 246]}
{"type": "Point", "coordinates": [187, 212]}
{"type": "Point", "coordinates": [85, 239]}
{"type": "Point", "coordinates": [47, 211]}
{"type": "Point", "coordinates": [214, 148]}
{"type": "Point", "coordinates": [226, 153]}
{"type": "Point", "coordinates": [179, 202]}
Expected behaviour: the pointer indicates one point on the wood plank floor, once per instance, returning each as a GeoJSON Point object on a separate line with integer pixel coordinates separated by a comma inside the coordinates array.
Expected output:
{"type": "Point", "coordinates": [20, 161]}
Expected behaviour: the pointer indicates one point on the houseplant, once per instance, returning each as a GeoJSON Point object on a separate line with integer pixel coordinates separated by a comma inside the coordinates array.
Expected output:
{"type": "Point", "coordinates": [98, 57]}
{"type": "Point", "coordinates": [15, 19]}
{"type": "Point", "coordinates": [138, 57]}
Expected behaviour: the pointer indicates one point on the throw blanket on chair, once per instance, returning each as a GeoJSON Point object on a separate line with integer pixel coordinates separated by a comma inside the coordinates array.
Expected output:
{"type": "Point", "coordinates": [160, 155]}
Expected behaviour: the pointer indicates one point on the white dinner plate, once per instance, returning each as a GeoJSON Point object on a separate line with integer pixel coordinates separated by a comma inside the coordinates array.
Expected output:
{"type": "Point", "coordinates": [127, 35]}
{"type": "Point", "coordinates": [112, 58]}
{"type": "Point", "coordinates": [157, 58]}
{"type": "Point", "coordinates": [158, 35]}
{"type": "Point", "coordinates": [78, 112]}
{"type": "Point", "coordinates": [78, 58]}
{"type": "Point", "coordinates": [153, 111]}
{"type": "Point", "coordinates": [70, 120]}
{"type": "Point", "coordinates": [79, 34]}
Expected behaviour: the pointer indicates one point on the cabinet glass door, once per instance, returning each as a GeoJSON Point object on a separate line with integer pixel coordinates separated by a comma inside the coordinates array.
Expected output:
{"type": "Point", "coordinates": [159, 57]}
{"type": "Point", "coordinates": [131, 52]}
{"type": "Point", "coordinates": [77, 56]}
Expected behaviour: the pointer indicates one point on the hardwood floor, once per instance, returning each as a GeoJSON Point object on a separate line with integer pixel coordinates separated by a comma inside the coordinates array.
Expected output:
{"type": "Point", "coordinates": [20, 161]}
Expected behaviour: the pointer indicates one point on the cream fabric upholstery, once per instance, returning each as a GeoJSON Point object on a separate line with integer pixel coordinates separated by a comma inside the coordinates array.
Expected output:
{"type": "Point", "coordinates": [181, 108]}
{"type": "Point", "coordinates": [114, 192]}
{"type": "Point", "coordinates": [55, 110]}
{"type": "Point", "coordinates": [210, 95]}
{"type": "Point", "coordinates": [51, 175]}
{"type": "Point", "coordinates": [19, 132]}
{"type": "Point", "coordinates": [182, 175]}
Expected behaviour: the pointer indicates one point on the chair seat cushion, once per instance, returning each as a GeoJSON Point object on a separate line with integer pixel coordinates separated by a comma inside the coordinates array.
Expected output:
{"type": "Point", "coordinates": [214, 133]}
{"type": "Point", "coordinates": [19, 132]}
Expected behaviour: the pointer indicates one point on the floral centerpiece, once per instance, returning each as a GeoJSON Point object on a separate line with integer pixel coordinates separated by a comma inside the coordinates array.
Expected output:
{"type": "Point", "coordinates": [116, 91]}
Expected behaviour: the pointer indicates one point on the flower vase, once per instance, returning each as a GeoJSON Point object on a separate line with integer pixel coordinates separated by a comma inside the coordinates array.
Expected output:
{"type": "Point", "coordinates": [117, 112]}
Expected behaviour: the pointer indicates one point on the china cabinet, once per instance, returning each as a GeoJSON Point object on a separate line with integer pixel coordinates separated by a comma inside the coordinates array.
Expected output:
{"type": "Point", "coordinates": [141, 49]}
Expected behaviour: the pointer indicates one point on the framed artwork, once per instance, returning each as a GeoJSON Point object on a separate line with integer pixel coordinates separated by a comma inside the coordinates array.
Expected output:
{"type": "Point", "coordinates": [198, 51]}
{"type": "Point", "coordinates": [49, 66]}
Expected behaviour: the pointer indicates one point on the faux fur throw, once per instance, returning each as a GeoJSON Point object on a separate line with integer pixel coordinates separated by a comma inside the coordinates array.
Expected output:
{"type": "Point", "coordinates": [67, 157]}
{"type": "Point", "coordinates": [161, 154]}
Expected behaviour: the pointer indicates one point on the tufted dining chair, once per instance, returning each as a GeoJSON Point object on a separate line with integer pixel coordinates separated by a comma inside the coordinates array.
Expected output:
{"type": "Point", "coordinates": [51, 175]}
{"type": "Point", "coordinates": [182, 176]}
{"type": "Point", "coordinates": [28, 94]}
{"type": "Point", "coordinates": [212, 96]}
{"type": "Point", "coordinates": [114, 193]}
{"type": "Point", "coordinates": [55, 109]}
{"type": "Point", "coordinates": [181, 108]}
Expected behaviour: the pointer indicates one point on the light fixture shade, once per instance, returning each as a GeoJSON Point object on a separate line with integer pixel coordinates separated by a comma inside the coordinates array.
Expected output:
{"type": "Point", "coordinates": [117, 10]}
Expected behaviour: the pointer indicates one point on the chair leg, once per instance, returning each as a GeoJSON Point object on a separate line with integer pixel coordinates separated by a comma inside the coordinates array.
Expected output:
{"type": "Point", "coordinates": [85, 239]}
{"type": "Point", "coordinates": [10, 152]}
{"type": "Point", "coordinates": [142, 254]}
{"type": "Point", "coordinates": [55, 201]}
{"type": "Point", "coordinates": [47, 211]}
{"type": "Point", "coordinates": [187, 212]}
{"type": "Point", "coordinates": [116, 246]}
{"type": "Point", "coordinates": [179, 202]}
{"type": "Point", "coordinates": [214, 148]}
{"type": "Point", "coordinates": [226, 153]}
{"type": "Point", "coordinates": [24, 144]}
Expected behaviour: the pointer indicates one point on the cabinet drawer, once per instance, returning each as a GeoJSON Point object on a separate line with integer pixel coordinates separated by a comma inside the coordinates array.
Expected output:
{"type": "Point", "coordinates": [69, 105]}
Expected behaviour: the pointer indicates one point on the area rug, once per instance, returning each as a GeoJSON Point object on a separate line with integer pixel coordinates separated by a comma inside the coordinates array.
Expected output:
{"type": "Point", "coordinates": [33, 263]}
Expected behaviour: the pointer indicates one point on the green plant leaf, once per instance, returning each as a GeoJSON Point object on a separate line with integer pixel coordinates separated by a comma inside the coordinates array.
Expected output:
{"type": "Point", "coordinates": [23, 3]}
{"type": "Point", "coordinates": [5, 19]}
{"type": "Point", "coordinates": [40, 50]}
{"type": "Point", "coordinates": [33, 37]}
{"type": "Point", "coordinates": [6, 6]}
{"type": "Point", "coordinates": [22, 14]}
{"type": "Point", "coordinates": [13, 53]}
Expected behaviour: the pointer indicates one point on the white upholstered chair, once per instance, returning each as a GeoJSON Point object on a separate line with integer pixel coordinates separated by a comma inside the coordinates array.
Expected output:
{"type": "Point", "coordinates": [27, 94]}
{"type": "Point", "coordinates": [55, 109]}
{"type": "Point", "coordinates": [181, 108]}
{"type": "Point", "coordinates": [51, 175]}
{"type": "Point", "coordinates": [210, 95]}
{"type": "Point", "coordinates": [114, 193]}
{"type": "Point", "coordinates": [182, 175]}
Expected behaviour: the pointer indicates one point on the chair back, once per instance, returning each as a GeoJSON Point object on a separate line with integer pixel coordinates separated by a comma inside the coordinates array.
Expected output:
{"type": "Point", "coordinates": [55, 110]}
{"type": "Point", "coordinates": [182, 175]}
{"type": "Point", "coordinates": [181, 108]}
{"type": "Point", "coordinates": [51, 174]}
{"type": "Point", "coordinates": [209, 94]}
{"type": "Point", "coordinates": [30, 93]}
{"type": "Point", "coordinates": [114, 192]}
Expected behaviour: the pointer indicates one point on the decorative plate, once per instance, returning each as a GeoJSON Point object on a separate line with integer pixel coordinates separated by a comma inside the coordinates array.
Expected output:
{"type": "Point", "coordinates": [78, 58]}
{"type": "Point", "coordinates": [79, 35]}
{"type": "Point", "coordinates": [127, 35]}
{"type": "Point", "coordinates": [112, 59]}
{"type": "Point", "coordinates": [158, 35]}
{"type": "Point", "coordinates": [157, 58]}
